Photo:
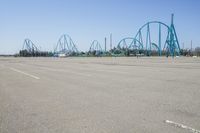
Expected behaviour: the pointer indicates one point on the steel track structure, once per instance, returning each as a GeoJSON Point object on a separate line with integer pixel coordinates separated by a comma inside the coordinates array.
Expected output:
{"type": "Point", "coordinates": [65, 45]}
{"type": "Point", "coordinates": [29, 46]}
{"type": "Point", "coordinates": [95, 46]}
{"type": "Point", "coordinates": [144, 39]}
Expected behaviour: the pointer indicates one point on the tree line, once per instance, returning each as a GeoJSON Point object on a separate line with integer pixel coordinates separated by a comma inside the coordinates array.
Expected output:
{"type": "Point", "coordinates": [114, 51]}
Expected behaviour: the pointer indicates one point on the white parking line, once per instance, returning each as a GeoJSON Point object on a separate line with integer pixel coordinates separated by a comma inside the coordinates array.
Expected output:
{"type": "Point", "coordinates": [182, 126]}
{"type": "Point", "coordinates": [32, 76]}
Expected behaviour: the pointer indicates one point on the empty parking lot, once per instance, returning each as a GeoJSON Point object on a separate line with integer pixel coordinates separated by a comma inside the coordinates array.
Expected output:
{"type": "Point", "coordinates": [99, 95]}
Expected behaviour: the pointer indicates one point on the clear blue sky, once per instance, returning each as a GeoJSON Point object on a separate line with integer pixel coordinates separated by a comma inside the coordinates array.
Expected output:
{"type": "Point", "coordinates": [44, 21]}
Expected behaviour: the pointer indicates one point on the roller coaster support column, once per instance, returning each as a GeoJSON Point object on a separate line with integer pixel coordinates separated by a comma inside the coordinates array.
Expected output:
{"type": "Point", "coordinates": [160, 49]}
{"type": "Point", "coordinates": [148, 41]}
{"type": "Point", "coordinates": [174, 47]}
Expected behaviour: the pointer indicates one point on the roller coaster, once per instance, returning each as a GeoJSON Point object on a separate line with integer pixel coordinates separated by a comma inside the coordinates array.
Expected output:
{"type": "Point", "coordinates": [129, 44]}
{"type": "Point", "coordinates": [29, 46]}
{"type": "Point", "coordinates": [65, 45]}
{"type": "Point", "coordinates": [29, 49]}
{"type": "Point", "coordinates": [154, 36]}
{"type": "Point", "coordinates": [95, 48]}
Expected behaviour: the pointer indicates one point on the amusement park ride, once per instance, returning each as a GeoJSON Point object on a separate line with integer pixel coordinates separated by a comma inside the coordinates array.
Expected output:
{"type": "Point", "coordinates": [29, 46]}
{"type": "Point", "coordinates": [165, 40]}
{"type": "Point", "coordinates": [153, 37]}
{"type": "Point", "coordinates": [65, 46]}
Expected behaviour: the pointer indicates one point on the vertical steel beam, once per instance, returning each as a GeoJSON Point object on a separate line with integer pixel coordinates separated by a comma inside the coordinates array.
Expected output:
{"type": "Point", "coordinates": [160, 51]}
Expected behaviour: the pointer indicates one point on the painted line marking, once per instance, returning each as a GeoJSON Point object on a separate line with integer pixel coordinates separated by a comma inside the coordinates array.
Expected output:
{"type": "Point", "coordinates": [30, 75]}
{"type": "Point", "coordinates": [182, 126]}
